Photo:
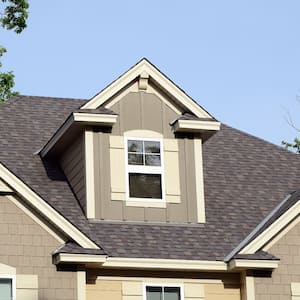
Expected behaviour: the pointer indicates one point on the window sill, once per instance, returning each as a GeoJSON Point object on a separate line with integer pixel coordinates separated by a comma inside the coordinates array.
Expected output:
{"type": "Point", "coordinates": [146, 203]}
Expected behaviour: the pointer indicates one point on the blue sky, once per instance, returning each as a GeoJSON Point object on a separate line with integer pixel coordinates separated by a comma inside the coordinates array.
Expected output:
{"type": "Point", "coordinates": [239, 59]}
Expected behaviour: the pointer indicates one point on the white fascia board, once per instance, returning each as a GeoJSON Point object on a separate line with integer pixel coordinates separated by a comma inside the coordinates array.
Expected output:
{"type": "Point", "coordinates": [164, 264]}
{"type": "Point", "coordinates": [195, 125]}
{"type": "Point", "coordinates": [252, 264]}
{"type": "Point", "coordinates": [79, 258]}
{"type": "Point", "coordinates": [141, 68]}
{"type": "Point", "coordinates": [262, 239]}
{"type": "Point", "coordinates": [45, 209]}
{"type": "Point", "coordinates": [101, 119]}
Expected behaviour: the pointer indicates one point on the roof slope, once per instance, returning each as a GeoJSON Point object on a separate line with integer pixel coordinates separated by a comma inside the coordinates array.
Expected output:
{"type": "Point", "coordinates": [245, 178]}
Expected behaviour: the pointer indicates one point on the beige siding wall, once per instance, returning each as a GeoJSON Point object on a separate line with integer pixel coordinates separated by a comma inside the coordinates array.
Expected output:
{"type": "Point", "coordinates": [133, 288]}
{"type": "Point", "coordinates": [143, 111]}
{"type": "Point", "coordinates": [279, 285]}
{"type": "Point", "coordinates": [72, 163]}
{"type": "Point", "coordinates": [26, 246]}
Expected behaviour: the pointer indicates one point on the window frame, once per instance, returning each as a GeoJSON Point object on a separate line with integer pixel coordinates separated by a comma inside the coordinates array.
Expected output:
{"type": "Point", "coordinates": [13, 283]}
{"type": "Point", "coordinates": [142, 169]}
{"type": "Point", "coordinates": [162, 285]}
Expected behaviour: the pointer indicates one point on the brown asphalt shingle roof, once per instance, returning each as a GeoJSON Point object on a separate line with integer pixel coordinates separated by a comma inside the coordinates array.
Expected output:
{"type": "Point", "coordinates": [245, 178]}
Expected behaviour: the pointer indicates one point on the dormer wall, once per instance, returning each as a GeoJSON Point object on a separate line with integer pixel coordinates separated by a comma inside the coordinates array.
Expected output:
{"type": "Point", "coordinates": [72, 162]}
{"type": "Point", "coordinates": [145, 112]}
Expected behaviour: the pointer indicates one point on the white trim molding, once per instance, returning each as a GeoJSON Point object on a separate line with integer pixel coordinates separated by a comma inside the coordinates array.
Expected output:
{"type": "Point", "coordinates": [89, 174]}
{"type": "Point", "coordinates": [45, 209]}
{"type": "Point", "coordinates": [270, 232]}
{"type": "Point", "coordinates": [98, 119]}
{"type": "Point", "coordinates": [200, 181]}
{"type": "Point", "coordinates": [81, 285]}
{"type": "Point", "coordinates": [144, 67]}
{"type": "Point", "coordinates": [253, 264]}
{"type": "Point", "coordinates": [195, 125]}
{"type": "Point", "coordinates": [79, 258]}
{"type": "Point", "coordinates": [165, 264]}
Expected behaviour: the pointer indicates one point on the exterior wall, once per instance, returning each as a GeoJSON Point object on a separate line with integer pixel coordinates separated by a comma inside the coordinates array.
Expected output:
{"type": "Point", "coordinates": [72, 163]}
{"type": "Point", "coordinates": [126, 288]}
{"type": "Point", "coordinates": [144, 111]}
{"type": "Point", "coordinates": [279, 285]}
{"type": "Point", "coordinates": [28, 247]}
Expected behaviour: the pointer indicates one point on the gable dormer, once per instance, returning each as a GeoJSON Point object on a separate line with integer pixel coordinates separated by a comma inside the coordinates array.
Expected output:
{"type": "Point", "coordinates": [134, 151]}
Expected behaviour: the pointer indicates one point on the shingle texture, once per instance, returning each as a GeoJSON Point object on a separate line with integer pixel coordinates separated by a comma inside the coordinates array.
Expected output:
{"type": "Point", "coordinates": [245, 178]}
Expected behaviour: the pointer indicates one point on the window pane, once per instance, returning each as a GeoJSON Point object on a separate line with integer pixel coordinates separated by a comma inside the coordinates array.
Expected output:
{"type": "Point", "coordinates": [145, 185]}
{"type": "Point", "coordinates": [171, 293]}
{"type": "Point", "coordinates": [154, 293]}
{"type": "Point", "coordinates": [152, 160]}
{"type": "Point", "coordinates": [5, 289]}
{"type": "Point", "coordinates": [135, 146]}
{"type": "Point", "coordinates": [135, 159]}
{"type": "Point", "coordinates": [152, 147]}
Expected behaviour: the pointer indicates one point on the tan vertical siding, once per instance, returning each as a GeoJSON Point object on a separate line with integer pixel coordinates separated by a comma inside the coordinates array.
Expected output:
{"type": "Point", "coordinates": [279, 285]}
{"type": "Point", "coordinates": [72, 163]}
{"type": "Point", "coordinates": [26, 246]}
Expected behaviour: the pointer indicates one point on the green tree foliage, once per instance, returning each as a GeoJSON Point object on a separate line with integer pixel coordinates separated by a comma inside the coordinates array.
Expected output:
{"type": "Point", "coordinates": [294, 146]}
{"type": "Point", "coordinates": [13, 16]}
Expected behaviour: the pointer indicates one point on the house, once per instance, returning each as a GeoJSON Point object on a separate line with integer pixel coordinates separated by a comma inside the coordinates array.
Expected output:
{"type": "Point", "coordinates": [141, 194]}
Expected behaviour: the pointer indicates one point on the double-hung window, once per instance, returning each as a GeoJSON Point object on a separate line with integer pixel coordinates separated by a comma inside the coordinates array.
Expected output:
{"type": "Point", "coordinates": [7, 288]}
{"type": "Point", "coordinates": [165, 292]}
{"type": "Point", "coordinates": [144, 159]}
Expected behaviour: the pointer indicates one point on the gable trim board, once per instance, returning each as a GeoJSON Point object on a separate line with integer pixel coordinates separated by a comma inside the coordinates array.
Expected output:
{"type": "Point", "coordinates": [81, 118]}
{"type": "Point", "coordinates": [141, 68]}
{"type": "Point", "coordinates": [250, 245]}
{"type": "Point", "coordinates": [263, 238]}
{"type": "Point", "coordinates": [45, 209]}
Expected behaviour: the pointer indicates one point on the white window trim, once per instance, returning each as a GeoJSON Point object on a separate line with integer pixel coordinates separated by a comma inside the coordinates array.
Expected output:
{"type": "Point", "coordinates": [13, 282]}
{"type": "Point", "coordinates": [145, 169]}
{"type": "Point", "coordinates": [145, 284]}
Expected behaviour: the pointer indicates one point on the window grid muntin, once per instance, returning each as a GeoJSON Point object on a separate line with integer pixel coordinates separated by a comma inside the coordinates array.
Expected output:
{"type": "Point", "coordinates": [144, 153]}
{"type": "Point", "coordinates": [145, 168]}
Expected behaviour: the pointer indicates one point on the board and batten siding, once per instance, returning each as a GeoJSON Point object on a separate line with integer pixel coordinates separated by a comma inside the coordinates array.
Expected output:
{"type": "Point", "coordinates": [144, 111]}
{"type": "Point", "coordinates": [72, 163]}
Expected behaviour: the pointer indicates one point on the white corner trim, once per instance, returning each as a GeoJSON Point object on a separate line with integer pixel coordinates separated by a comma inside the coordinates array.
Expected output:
{"type": "Point", "coordinates": [195, 125]}
{"type": "Point", "coordinates": [199, 181]}
{"type": "Point", "coordinates": [79, 258]}
{"type": "Point", "coordinates": [252, 264]}
{"type": "Point", "coordinates": [100, 119]}
{"type": "Point", "coordinates": [161, 264]}
{"type": "Point", "coordinates": [261, 240]}
{"type": "Point", "coordinates": [248, 286]}
{"type": "Point", "coordinates": [81, 285]}
{"type": "Point", "coordinates": [155, 75]}
{"type": "Point", "coordinates": [295, 290]}
{"type": "Point", "coordinates": [45, 209]}
{"type": "Point", "coordinates": [89, 174]}
{"type": "Point", "coordinates": [36, 219]}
